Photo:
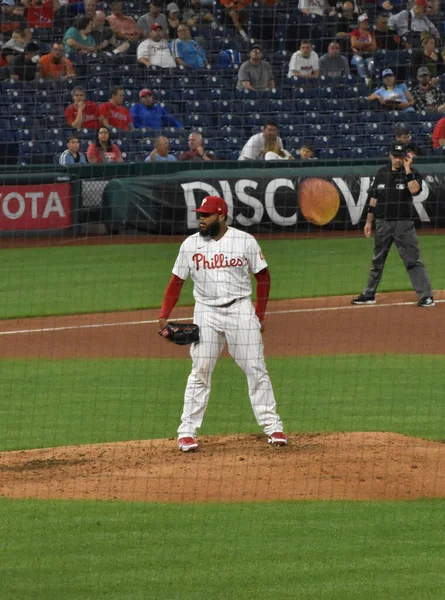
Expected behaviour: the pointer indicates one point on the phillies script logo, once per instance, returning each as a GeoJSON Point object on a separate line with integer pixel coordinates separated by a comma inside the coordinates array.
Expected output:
{"type": "Point", "coordinates": [219, 261]}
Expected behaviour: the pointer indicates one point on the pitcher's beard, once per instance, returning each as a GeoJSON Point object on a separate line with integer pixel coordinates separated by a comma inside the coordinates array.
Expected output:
{"type": "Point", "coordinates": [211, 231]}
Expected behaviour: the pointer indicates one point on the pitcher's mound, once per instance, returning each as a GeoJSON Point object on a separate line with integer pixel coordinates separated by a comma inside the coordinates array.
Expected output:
{"type": "Point", "coordinates": [353, 466]}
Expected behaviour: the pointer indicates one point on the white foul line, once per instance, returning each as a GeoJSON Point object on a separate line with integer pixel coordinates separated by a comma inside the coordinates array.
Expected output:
{"type": "Point", "coordinates": [151, 322]}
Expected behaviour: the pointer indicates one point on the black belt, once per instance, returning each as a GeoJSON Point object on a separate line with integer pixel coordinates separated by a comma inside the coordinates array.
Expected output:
{"type": "Point", "coordinates": [229, 303]}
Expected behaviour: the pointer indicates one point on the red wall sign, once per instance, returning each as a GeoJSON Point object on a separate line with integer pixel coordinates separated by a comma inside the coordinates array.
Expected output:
{"type": "Point", "coordinates": [38, 206]}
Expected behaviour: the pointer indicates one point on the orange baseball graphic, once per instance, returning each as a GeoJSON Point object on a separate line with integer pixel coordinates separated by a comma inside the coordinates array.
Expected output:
{"type": "Point", "coordinates": [319, 200]}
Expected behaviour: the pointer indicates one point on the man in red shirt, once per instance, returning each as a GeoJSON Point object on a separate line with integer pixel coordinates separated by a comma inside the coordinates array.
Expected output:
{"type": "Point", "coordinates": [82, 114]}
{"type": "Point", "coordinates": [439, 133]}
{"type": "Point", "coordinates": [40, 13]}
{"type": "Point", "coordinates": [113, 113]}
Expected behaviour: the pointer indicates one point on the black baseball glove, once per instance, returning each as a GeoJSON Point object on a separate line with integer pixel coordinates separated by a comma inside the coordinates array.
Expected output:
{"type": "Point", "coordinates": [180, 333]}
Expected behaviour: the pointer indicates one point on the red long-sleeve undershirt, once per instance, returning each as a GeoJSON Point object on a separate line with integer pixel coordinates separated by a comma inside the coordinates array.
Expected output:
{"type": "Point", "coordinates": [262, 292]}
{"type": "Point", "coordinates": [174, 287]}
{"type": "Point", "coordinates": [171, 296]}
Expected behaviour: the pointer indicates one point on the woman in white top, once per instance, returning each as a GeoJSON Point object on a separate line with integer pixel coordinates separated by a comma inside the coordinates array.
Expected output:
{"type": "Point", "coordinates": [274, 151]}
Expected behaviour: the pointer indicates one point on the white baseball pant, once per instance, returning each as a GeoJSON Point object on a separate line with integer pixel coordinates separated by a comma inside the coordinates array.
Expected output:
{"type": "Point", "coordinates": [240, 327]}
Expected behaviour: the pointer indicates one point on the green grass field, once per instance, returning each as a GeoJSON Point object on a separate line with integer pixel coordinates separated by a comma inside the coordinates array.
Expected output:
{"type": "Point", "coordinates": [305, 550]}
{"type": "Point", "coordinates": [82, 550]}
{"type": "Point", "coordinates": [53, 403]}
{"type": "Point", "coordinates": [55, 281]}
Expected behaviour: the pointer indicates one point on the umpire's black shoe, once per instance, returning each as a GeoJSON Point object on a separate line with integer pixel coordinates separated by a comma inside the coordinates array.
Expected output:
{"type": "Point", "coordinates": [362, 299]}
{"type": "Point", "coordinates": [426, 302]}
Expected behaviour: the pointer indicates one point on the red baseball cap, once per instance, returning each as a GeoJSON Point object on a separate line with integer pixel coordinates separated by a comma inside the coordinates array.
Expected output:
{"type": "Point", "coordinates": [145, 92]}
{"type": "Point", "coordinates": [421, 3]}
{"type": "Point", "coordinates": [214, 205]}
{"type": "Point", "coordinates": [156, 26]}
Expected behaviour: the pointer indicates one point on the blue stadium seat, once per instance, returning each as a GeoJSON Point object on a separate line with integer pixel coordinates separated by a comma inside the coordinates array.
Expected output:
{"type": "Point", "coordinates": [342, 117]}
{"type": "Point", "coordinates": [231, 131]}
{"type": "Point", "coordinates": [24, 135]}
{"type": "Point", "coordinates": [359, 153]}
{"type": "Point", "coordinates": [56, 147]}
{"type": "Point", "coordinates": [303, 105]}
{"type": "Point", "coordinates": [368, 116]}
{"type": "Point", "coordinates": [224, 106]}
{"type": "Point", "coordinates": [281, 105]}
{"type": "Point", "coordinates": [178, 145]}
{"type": "Point", "coordinates": [290, 131]}
{"type": "Point", "coordinates": [230, 119]}
{"type": "Point", "coordinates": [327, 153]}
{"type": "Point", "coordinates": [197, 106]}
{"type": "Point", "coordinates": [23, 121]}
{"type": "Point", "coordinates": [197, 120]}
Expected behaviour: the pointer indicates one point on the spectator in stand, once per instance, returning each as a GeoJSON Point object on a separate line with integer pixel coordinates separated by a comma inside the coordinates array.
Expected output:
{"type": "Point", "coordinates": [124, 28]}
{"type": "Point", "coordinates": [439, 134]}
{"type": "Point", "coordinates": [10, 22]}
{"type": "Point", "coordinates": [113, 113]}
{"type": "Point", "coordinates": [304, 63]}
{"type": "Point", "coordinates": [363, 47]}
{"type": "Point", "coordinates": [72, 156]}
{"type": "Point", "coordinates": [40, 14]}
{"type": "Point", "coordinates": [78, 39]}
{"type": "Point", "coordinates": [55, 65]}
{"type": "Point", "coordinates": [236, 12]}
{"type": "Point", "coordinates": [26, 67]}
{"type": "Point", "coordinates": [274, 151]}
{"type": "Point", "coordinates": [147, 114]}
{"type": "Point", "coordinates": [196, 149]}
{"type": "Point", "coordinates": [90, 8]}
{"type": "Point", "coordinates": [333, 64]}
{"type": "Point", "coordinates": [319, 8]}
{"type": "Point", "coordinates": [160, 152]}
{"type": "Point", "coordinates": [393, 96]}
{"type": "Point", "coordinates": [255, 74]}
{"type": "Point", "coordinates": [82, 114]}
{"type": "Point", "coordinates": [155, 50]}
{"type": "Point", "coordinates": [345, 21]}
{"type": "Point", "coordinates": [102, 150]}
{"type": "Point", "coordinates": [197, 16]}
{"type": "Point", "coordinates": [104, 37]}
{"type": "Point", "coordinates": [154, 15]}
{"type": "Point", "coordinates": [387, 39]}
{"type": "Point", "coordinates": [16, 42]}
{"type": "Point", "coordinates": [307, 151]}
{"type": "Point", "coordinates": [254, 147]}
{"type": "Point", "coordinates": [428, 57]}
{"type": "Point", "coordinates": [186, 51]}
{"type": "Point", "coordinates": [173, 20]}
{"type": "Point", "coordinates": [395, 6]}
{"type": "Point", "coordinates": [403, 135]}
{"type": "Point", "coordinates": [409, 24]}
{"type": "Point", "coordinates": [427, 96]}
{"type": "Point", "coordinates": [6, 57]}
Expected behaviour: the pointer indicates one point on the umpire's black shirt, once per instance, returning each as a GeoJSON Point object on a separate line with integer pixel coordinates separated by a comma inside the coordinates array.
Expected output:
{"type": "Point", "coordinates": [394, 200]}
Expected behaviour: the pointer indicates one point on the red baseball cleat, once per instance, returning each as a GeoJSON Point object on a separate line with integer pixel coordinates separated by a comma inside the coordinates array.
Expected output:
{"type": "Point", "coordinates": [277, 439]}
{"type": "Point", "coordinates": [187, 444]}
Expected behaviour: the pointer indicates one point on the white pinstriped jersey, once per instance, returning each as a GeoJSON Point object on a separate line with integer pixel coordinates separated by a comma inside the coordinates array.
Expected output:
{"type": "Point", "coordinates": [221, 269]}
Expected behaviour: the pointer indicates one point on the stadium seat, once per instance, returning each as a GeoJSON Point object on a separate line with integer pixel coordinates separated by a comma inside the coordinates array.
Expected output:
{"type": "Point", "coordinates": [230, 119]}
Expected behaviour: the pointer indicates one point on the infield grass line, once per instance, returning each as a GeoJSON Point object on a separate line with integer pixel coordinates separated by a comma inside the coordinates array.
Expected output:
{"type": "Point", "coordinates": [153, 321]}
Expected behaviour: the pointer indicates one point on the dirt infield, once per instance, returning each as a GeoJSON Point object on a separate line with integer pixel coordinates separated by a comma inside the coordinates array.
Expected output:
{"type": "Point", "coordinates": [235, 468]}
{"type": "Point", "coordinates": [352, 466]}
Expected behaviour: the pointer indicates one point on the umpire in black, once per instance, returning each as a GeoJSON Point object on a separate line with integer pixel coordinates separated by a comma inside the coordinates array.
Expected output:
{"type": "Point", "coordinates": [391, 203]}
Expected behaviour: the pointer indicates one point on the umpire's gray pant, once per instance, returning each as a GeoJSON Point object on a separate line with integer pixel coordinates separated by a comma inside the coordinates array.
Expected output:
{"type": "Point", "coordinates": [403, 234]}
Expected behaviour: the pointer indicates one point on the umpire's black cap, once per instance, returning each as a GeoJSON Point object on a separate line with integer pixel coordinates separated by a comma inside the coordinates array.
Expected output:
{"type": "Point", "coordinates": [397, 149]}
